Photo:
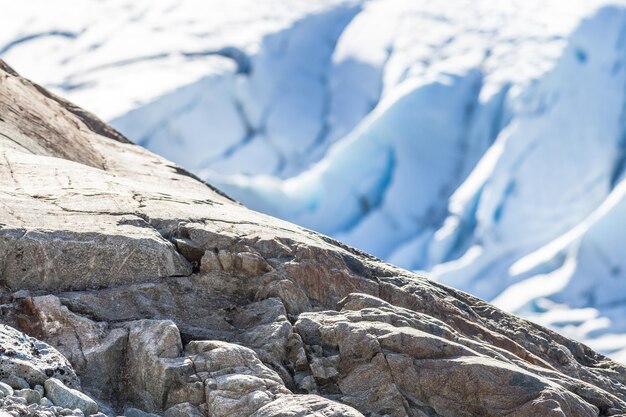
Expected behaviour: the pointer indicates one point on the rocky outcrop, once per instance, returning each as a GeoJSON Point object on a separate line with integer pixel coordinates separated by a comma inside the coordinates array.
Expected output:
{"type": "Point", "coordinates": [164, 296]}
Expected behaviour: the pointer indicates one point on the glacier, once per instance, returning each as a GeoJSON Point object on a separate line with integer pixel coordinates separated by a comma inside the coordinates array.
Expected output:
{"type": "Point", "coordinates": [482, 143]}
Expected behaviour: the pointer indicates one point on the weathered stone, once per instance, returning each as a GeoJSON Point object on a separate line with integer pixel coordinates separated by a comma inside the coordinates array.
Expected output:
{"type": "Point", "coordinates": [154, 363]}
{"type": "Point", "coordinates": [26, 362]}
{"type": "Point", "coordinates": [305, 406]}
{"type": "Point", "coordinates": [192, 252]}
{"type": "Point", "coordinates": [294, 299]}
{"type": "Point", "coordinates": [116, 234]}
{"type": "Point", "coordinates": [264, 327]}
{"type": "Point", "coordinates": [237, 382]}
{"type": "Point", "coordinates": [66, 397]}
{"type": "Point", "coordinates": [418, 372]}
{"type": "Point", "coordinates": [6, 389]}
{"type": "Point", "coordinates": [46, 402]}
{"type": "Point", "coordinates": [183, 410]}
{"type": "Point", "coordinates": [31, 396]}
{"type": "Point", "coordinates": [135, 412]}
{"type": "Point", "coordinates": [16, 400]}
{"type": "Point", "coordinates": [93, 348]}
{"type": "Point", "coordinates": [246, 263]}
{"type": "Point", "coordinates": [16, 382]}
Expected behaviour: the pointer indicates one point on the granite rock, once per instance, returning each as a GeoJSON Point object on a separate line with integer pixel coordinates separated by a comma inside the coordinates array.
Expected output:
{"type": "Point", "coordinates": [167, 296]}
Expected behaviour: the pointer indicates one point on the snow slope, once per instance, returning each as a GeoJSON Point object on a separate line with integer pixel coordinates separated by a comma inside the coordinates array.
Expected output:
{"type": "Point", "coordinates": [482, 143]}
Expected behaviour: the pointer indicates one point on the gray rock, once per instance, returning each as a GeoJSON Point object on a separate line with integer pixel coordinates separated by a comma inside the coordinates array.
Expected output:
{"type": "Point", "coordinates": [32, 396]}
{"type": "Point", "coordinates": [17, 400]}
{"type": "Point", "coordinates": [135, 412]}
{"type": "Point", "coordinates": [237, 382]}
{"type": "Point", "coordinates": [27, 361]}
{"type": "Point", "coordinates": [16, 382]}
{"type": "Point", "coordinates": [6, 389]}
{"type": "Point", "coordinates": [305, 406]}
{"type": "Point", "coordinates": [46, 402]}
{"type": "Point", "coordinates": [416, 371]}
{"type": "Point", "coordinates": [294, 299]}
{"type": "Point", "coordinates": [62, 396]}
{"type": "Point", "coordinates": [183, 410]}
{"type": "Point", "coordinates": [94, 350]}
{"type": "Point", "coordinates": [116, 234]}
{"type": "Point", "coordinates": [154, 363]}
{"type": "Point", "coordinates": [228, 379]}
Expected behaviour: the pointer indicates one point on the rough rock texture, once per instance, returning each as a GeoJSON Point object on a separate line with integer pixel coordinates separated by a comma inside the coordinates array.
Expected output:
{"type": "Point", "coordinates": [26, 362]}
{"type": "Point", "coordinates": [305, 405]}
{"type": "Point", "coordinates": [169, 298]}
{"type": "Point", "coordinates": [65, 397]}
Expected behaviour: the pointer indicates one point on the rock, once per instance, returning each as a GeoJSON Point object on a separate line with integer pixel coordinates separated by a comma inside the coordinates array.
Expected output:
{"type": "Point", "coordinates": [17, 400]}
{"type": "Point", "coordinates": [416, 371]}
{"type": "Point", "coordinates": [26, 361]}
{"type": "Point", "coordinates": [154, 363]}
{"type": "Point", "coordinates": [94, 350]}
{"type": "Point", "coordinates": [99, 248]}
{"type": "Point", "coordinates": [135, 412]}
{"type": "Point", "coordinates": [46, 402]}
{"type": "Point", "coordinates": [183, 410]}
{"type": "Point", "coordinates": [237, 382]}
{"type": "Point", "coordinates": [16, 382]}
{"type": "Point", "coordinates": [325, 368]}
{"type": "Point", "coordinates": [32, 396]}
{"type": "Point", "coordinates": [62, 396]}
{"type": "Point", "coordinates": [305, 406]}
{"type": "Point", "coordinates": [6, 389]}
{"type": "Point", "coordinates": [264, 327]}
{"type": "Point", "coordinates": [227, 378]}
{"type": "Point", "coordinates": [249, 264]}
{"type": "Point", "coordinates": [192, 252]}
{"type": "Point", "coordinates": [293, 298]}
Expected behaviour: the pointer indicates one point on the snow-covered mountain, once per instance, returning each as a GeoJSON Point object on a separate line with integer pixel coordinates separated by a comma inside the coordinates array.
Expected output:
{"type": "Point", "coordinates": [482, 142]}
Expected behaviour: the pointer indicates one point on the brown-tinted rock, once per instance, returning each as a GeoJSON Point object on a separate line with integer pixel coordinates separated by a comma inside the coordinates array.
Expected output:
{"type": "Point", "coordinates": [305, 406]}
{"type": "Point", "coordinates": [167, 295]}
{"type": "Point", "coordinates": [154, 363]}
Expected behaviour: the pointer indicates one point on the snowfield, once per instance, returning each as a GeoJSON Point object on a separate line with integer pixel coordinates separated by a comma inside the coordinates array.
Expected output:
{"type": "Point", "coordinates": [483, 142]}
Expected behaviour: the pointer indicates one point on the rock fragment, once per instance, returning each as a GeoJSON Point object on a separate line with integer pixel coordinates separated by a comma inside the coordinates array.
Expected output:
{"type": "Point", "coordinates": [65, 397]}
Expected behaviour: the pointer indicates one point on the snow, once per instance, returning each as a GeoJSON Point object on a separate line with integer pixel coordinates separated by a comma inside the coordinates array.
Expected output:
{"type": "Point", "coordinates": [533, 192]}
{"type": "Point", "coordinates": [481, 143]}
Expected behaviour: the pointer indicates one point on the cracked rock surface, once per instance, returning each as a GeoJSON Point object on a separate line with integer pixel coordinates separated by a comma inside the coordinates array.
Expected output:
{"type": "Point", "coordinates": [151, 292]}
